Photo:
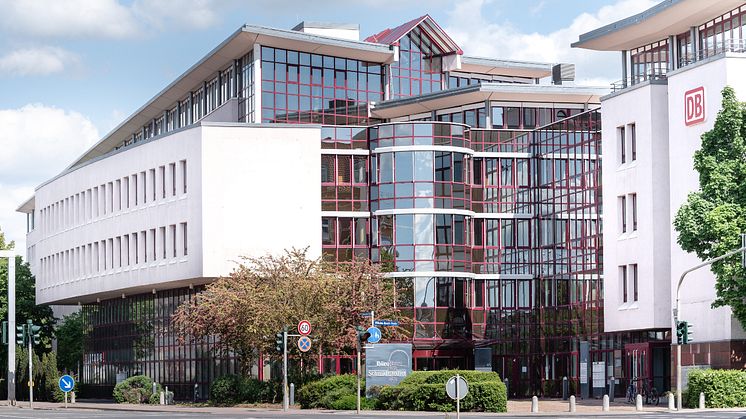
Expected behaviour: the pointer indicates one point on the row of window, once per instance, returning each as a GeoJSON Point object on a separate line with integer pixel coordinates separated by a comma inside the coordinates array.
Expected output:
{"type": "Point", "coordinates": [147, 246]}
{"type": "Point", "coordinates": [131, 191]}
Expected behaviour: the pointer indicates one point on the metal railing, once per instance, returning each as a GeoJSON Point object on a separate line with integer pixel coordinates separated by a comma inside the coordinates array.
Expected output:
{"type": "Point", "coordinates": [728, 45]}
{"type": "Point", "coordinates": [636, 79]}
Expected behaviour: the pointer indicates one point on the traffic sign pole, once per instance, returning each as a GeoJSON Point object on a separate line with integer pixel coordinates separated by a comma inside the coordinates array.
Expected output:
{"type": "Point", "coordinates": [285, 400]}
{"type": "Point", "coordinates": [458, 399]}
{"type": "Point", "coordinates": [30, 366]}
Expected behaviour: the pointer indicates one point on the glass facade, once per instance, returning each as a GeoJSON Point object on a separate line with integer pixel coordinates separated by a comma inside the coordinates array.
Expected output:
{"type": "Point", "coordinates": [299, 87]}
{"type": "Point", "coordinates": [419, 69]}
{"type": "Point", "coordinates": [133, 336]}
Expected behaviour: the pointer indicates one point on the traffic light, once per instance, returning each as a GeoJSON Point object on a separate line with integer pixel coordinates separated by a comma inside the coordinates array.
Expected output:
{"type": "Point", "coordinates": [683, 334]}
{"type": "Point", "coordinates": [21, 335]}
{"type": "Point", "coordinates": [280, 342]}
{"type": "Point", "coordinates": [362, 334]}
{"type": "Point", "coordinates": [35, 334]}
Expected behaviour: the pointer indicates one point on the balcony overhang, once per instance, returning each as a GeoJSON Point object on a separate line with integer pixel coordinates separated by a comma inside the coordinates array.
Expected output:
{"type": "Point", "coordinates": [528, 69]}
{"type": "Point", "coordinates": [667, 18]}
{"type": "Point", "coordinates": [488, 91]}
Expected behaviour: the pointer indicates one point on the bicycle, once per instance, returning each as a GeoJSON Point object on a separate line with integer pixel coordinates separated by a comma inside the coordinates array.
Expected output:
{"type": "Point", "coordinates": [631, 391]}
{"type": "Point", "coordinates": [650, 393]}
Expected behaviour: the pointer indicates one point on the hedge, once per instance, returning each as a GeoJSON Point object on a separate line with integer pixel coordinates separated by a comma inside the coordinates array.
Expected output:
{"type": "Point", "coordinates": [137, 390]}
{"type": "Point", "coordinates": [337, 392]}
{"type": "Point", "coordinates": [722, 388]}
{"type": "Point", "coordinates": [234, 389]}
{"type": "Point", "coordinates": [425, 390]}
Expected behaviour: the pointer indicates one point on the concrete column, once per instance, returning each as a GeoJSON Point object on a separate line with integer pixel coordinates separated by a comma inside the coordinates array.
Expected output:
{"type": "Point", "coordinates": [257, 84]}
{"type": "Point", "coordinates": [694, 35]}
{"type": "Point", "coordinates": [672, 53]}
{"type": "Point", "coordinates": [624, 68]}
{"type": "Point", "coordinates": [487, 115]}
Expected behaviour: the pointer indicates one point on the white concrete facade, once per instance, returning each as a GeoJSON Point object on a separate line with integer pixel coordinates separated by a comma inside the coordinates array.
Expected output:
{"type": "Point", "coordinates": [177, 210]}
{"type": "Point", "coordinates": [661, 176]}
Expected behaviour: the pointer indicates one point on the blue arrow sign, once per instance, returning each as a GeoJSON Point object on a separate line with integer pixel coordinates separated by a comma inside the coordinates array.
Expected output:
{"type": "Point", "coordinates": [386, 323]}
{"type": "Point", "coordinates": [67, 383]}
{"type": "Point", "coordinates": [375, 334]}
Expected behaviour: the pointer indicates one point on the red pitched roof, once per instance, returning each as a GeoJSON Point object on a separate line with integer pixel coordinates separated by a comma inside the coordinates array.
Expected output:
{"type": "Point", "coordinates": [392, 36]}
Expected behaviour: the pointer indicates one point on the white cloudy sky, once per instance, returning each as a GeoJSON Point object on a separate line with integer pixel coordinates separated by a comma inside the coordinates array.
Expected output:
{"type": "Point", "coordinates": [72, 70]}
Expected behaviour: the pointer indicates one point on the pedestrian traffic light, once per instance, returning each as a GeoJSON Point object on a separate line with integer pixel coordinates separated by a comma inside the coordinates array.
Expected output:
{"type": "Point", "coordinates": [21, 335]}
{"type": "Point", "coordinates": [35, 334]}
{"type": "Point", "coordinates": [280, 342]}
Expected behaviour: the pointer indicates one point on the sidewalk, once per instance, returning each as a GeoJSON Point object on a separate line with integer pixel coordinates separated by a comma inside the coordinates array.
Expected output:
{"type": "Point", "coordinates": [547, 407]}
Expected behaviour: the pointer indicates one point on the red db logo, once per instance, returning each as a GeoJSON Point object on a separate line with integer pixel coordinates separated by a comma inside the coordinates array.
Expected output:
{"type": "Point", "coordinates": [694, 106]}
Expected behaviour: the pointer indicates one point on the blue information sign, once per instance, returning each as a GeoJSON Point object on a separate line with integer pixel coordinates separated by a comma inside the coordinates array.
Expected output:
{"type": "Point", "coordinates": [386, 323]}
{"type": "Point", "coordinates": [375, 334]}
{"type": "Point", "coordinates": [67, 383]}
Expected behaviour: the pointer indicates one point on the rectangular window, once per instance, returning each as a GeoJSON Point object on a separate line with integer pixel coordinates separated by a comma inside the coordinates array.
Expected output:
{"type": "Point", "coordinates": [622, 213]}
{"type": "Point", "coordinates": [152, 184]}
{"type": "Point", "coordinates": [633, 269]}
{"type": "Point", "coordinates": [163, 242]}
{"type": "Point", "coordinates": [135, 190]}
{"type": "Point", "coordinates": [623, 282]}
{"type": "Point", "coordinates": [172, 170]}
{"type": "Point", "coordinates": [184, 237]}
{"type": "Point", "coordinates": [144, 182]}
{"type": "Point", "coordinates": [136, 248]}
{"type": "Point", "coordinates": [173, 238]}
{"type": "Point", "coordinates": [622, 145]}
{"type": "Point", "coordinates": [118, 199]}
{"type": "Point", "coordinates": [144, 247]}
{"type": "Point", "coordinates": [153, 242]}
{"type": "Point", "coordinates": [126, 250]}
{"type": "Point", "coordinates": [183, 165]}
{"type": "Point", "coordinates": [163, 181]}
{"type": "Point", "coordinates": [633, 199]}
{"type": "Point", "coordinates": [633, 141]}
{"type": "Point", "coordinates": [126, 192]}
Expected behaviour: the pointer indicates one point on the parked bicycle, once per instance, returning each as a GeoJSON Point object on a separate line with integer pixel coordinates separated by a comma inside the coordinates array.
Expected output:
{"type": "Point", "coordinates": [649, 393]}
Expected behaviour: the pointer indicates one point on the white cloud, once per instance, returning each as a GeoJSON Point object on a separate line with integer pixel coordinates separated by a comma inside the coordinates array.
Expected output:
{"type": "Point", "coordinates": [69, 18]}
{"type": "Point", "coordinates": [116, 19]}
{"type": "Point", "coordinates": [39, 61]}
{"type": "Point", "coordinates": [38, 142]}
{"type": "Point", "coordinates": [480, 37]}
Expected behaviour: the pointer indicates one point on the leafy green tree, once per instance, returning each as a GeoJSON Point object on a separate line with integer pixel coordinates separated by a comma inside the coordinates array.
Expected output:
{"type": "Point", "coordinates": [712, 219]}
{"type": "Point", "coordinates": [70, 336]}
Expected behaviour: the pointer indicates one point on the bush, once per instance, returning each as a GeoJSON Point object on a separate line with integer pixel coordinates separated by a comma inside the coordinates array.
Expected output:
{"type": "Point", "coordinates": [233, 389]}
{"type": "Point", "coordinates": [425, 390]}
{"type": "Point", "coordinates": [136, 390]}
{"type": "Point", "coordinates": [329, 392]}
{"type": "Point", "coordinates": [722, 388]}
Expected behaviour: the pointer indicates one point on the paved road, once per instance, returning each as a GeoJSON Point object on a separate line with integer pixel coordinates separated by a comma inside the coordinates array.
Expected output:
{"type": "Point", "coordinates": [111, 414]}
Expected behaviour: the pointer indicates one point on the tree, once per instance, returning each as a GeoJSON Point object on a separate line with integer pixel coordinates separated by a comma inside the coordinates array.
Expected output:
{"type": "Point", "coordinates": [263, 295]}
{"type": "Point", "coordinates": [70, 337]}
{"type": "Point", "coordinates": [712, 219]}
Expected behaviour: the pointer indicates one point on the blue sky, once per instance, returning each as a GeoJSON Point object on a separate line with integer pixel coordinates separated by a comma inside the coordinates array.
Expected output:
{"type": "Point", "coordinates": [72, 70]}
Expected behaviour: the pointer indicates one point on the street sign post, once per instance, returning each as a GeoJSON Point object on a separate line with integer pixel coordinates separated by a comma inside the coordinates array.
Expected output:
{"type": "Point", "coordinates": [457, 389]}
{"type": "Point", "coordinates": [375, 334]}
{"type": "Point", "coordinates": [304, 327]}
{"type": "Point", "coordinates": [386, 323]}
{"type": "Point", "coordinates": [304, 343]}
{"type": "Point", "coordinates": [67, 384]}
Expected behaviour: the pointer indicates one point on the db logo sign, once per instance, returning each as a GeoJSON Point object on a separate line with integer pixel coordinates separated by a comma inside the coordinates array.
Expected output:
{"type": "Point", "coordinates": [694, 106]}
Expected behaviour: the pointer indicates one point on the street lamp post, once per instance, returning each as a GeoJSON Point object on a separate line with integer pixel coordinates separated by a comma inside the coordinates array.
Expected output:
{"type": "Point", "coordinates": [676, 310]}
{"type": "Point", "coordinates": [10, 255]}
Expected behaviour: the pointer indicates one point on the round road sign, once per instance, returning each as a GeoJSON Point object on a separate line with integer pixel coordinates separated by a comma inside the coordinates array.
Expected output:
{"type": "Point", "coordinates": [66, 383]}
{"type": "Point", "coordinates": [304, 327]}
{"type": "Point", "coordinates": [375, 334]}
{"type": "Point", "coordinates": [456, 387]}
{"type": "Point", "coordinates": [304, 343]}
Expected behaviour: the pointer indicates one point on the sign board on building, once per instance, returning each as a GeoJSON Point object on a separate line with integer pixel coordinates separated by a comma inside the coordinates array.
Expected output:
{"type": "Point", "coordinates": [583, 373]}
{"type": "Point", "coordinates": [599, 374]}
{"type": "Point", "coordinates": [694, 106]}
{"type": "Point", "coordinates": [387, 364]}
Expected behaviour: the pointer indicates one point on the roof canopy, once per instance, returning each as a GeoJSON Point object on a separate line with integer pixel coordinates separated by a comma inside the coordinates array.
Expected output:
{"type": "Point", "coordinates": [670, 17]}
{"type": "Point", "coordinates": [427, 25]}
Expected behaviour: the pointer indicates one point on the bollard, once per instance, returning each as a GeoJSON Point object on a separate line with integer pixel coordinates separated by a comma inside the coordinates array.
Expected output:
{"type": "Point", "coordinates": [701, 400]}
{"type": "Point", "coordinates": [163, 398]}
{"type": "Point", "coordinates": [638, 403]}
{"type": "Point", "coordinates": [507, 389]}
{"type": "Point", "coordinates": [534, 404]}
{"type": "Point", "coordinates": [72, 397]}
{"type": "Point", "coordinates": [292, 394]}
{"type": "Point", "coordinates": [612, 389]}
{"type": "Point", "coordinates": [565, 388]}
{"type": "Point", "coordinates": [154, 390]}
{"type": "Point", "coordinates": [572, 404]}
{"type": "Point", "coordinates": [671, 401]}
{"type": "Point", "coordinates": [167, 398]}
{"type": "Point", "coordinates": [605, 406]}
